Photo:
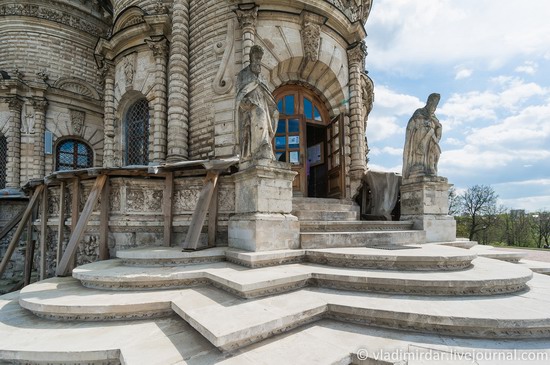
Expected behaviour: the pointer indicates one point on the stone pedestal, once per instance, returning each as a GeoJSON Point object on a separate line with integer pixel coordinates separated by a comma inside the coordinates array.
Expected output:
{"type": "Point", "coordinates": [263, 202]}
{"type": "Point", "coordinates": [425, 201]}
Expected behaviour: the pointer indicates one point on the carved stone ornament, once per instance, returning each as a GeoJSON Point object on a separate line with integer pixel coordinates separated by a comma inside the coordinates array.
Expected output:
{"type": "Point", "coordinates": [247, 18]}
{"type": "Point", "coordinates": [311, 38]}
{"type": "Point", "coordinates": [223, 82]}
{"type": "Point", "coordinates": [160, 8]}
{"type": "Point", "coordinates": [129, 70]}
{"type": "Point", "coordinates": [357, 54]}
{"type": "Point", "coordinates": [354, 10]}
{"type": "Point", "coordinates": [158, 46]}
{"type": "Point", "coordinates": [43, 75]}
{"type": "Point", "coordinates": [14, 103]}
{"type": "Point", "coordinates": [40, 105]}
{"type": "Point", "coordinates": [18, 74]}
{"type": "Point", "coordinates": [28, 126]}
{"type": "Point", "coordinates": [77, 120]}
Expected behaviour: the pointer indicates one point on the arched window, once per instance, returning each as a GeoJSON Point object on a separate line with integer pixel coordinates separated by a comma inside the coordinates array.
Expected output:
{"type": "Point", "coordinates": [137, 133]}
{"type": "Point", "coordinates": [72, 154]}
{"type": "Point", "coordinates": [3, 160]}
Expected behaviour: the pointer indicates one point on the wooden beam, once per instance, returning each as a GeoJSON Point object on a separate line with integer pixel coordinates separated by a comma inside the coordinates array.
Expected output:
{"type": "Point", "coordinates": [75, 211]}
{"type": "Point", "coordinates": [167, 207]}
{"type": "Point", "coordinates": [43, 233]}
{"type": "Point", "coordinates": [199, 215]}
{"type": "Point", "coordinates": [104, 222]}
{"type": "Point", "coordinates": [20, 228]}
{"type": "Point", "coordinates": [61, 226]}
{"type": "Point", "coordinates": [80, 227]}
{"type": "Point", "coordinates": [213, 218]}
{"type": "Point", "coordinates": [29, 255]}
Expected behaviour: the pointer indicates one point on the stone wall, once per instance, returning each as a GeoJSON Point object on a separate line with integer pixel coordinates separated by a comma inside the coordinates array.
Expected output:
{"type": "Point", "coordinates": [136, 215]}
{"type": "Point", "coordinates": [8, 209]}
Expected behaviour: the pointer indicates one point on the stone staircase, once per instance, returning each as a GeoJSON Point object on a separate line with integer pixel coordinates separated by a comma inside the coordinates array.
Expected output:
{"type": "Point", "coordinates": [228, 306]}
{"type": "Point", "coordinates": [326, 223]}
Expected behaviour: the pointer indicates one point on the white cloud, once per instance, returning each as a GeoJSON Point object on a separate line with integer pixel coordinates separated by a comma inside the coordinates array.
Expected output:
{"type": "Point", "coordinates": [529, 203]}
{"type": "Point", "coordinates": [392, 151]}
{"type": "Point", "coordinates": [463, 73]}
{"type": "Point", "coordinates": [529, 67]}
{"type": "Point", "coordinates": [376, 167]}
{"type": "Point", "coordinates": [453, 142]}
{"type": "Point", "coordinates": [425, 32]}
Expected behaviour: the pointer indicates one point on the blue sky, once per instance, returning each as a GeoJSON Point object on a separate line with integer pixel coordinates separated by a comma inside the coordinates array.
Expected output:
{"type": "Point", "coordinates": [490, 61]}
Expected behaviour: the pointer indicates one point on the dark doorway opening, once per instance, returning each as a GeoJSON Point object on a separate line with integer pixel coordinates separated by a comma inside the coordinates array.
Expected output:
{"type": "Point", "coordinates": [316, 168]}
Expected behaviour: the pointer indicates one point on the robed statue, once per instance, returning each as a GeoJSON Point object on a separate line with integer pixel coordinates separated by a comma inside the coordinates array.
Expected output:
{"type": "Point", "coordinates": [257, 112]}
{"type": "Point", "coordinates": [422, 151]}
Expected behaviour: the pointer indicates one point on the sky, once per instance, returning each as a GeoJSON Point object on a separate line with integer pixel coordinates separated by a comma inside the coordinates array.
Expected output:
{"type": "Point", "coordinates": [490, 61]}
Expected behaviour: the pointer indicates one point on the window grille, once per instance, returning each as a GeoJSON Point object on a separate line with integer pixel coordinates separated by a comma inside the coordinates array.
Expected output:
{"type": "Point", "coordinates": [3, 160]}
{"type": "Point", "coordinates": [137, 133]}
{"type": "Point", "coordinates": [72, 155]}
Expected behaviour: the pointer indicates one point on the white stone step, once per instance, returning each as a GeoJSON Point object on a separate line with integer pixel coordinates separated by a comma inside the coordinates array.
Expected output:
{"type": "Point", "coordinates": [324, 204]}
{"type": "Point", "coordinates": [326, 215]}
{"type": "Point", "coordinates": [228, 322]}
{"type": "Point", "coordinates": [309, 240]}
{"type": "Point", "coordinates": [351, 226]}
{"type": "Point", "coordinates": [484, 277]}
{"type": "Point", "coordinates": [27, 339]}
{"type": "Point", "coordinates": [169, 256]}
{"type": "Point", "coordinates": [233, 324]}
{"type": "Point", "coordinates": [492, 253]}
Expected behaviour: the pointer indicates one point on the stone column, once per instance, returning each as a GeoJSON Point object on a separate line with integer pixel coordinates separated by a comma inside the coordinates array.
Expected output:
{"type": "Point", "coordinates": [40, 106]}
{"type": "Point", "coordinates": [425, 202]}
{"type": "Point", "coordinates": [247, 21]}
{"type": "Point", "coordinates": [178, 84]}
{"type": "Point", "coordinates": [108, 74]}
{"type": "Point", "coordinates": [356, 64]}
{"type": "Point", "coordinates": [160, 51]}
{"type": "Point", "coordinates": [13, 137]}
{"type": "Point", "coordinates": [263, 206]}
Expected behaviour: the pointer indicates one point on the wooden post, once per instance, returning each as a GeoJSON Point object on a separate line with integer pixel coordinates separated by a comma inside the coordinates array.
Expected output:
{"type": "Point", "coordinates": [199, 215]}
{"type": "Point", "coordinates": [43, 232]}
{"type": "Point", "coordinates": [20, 228]}
{"type": "Point", "coordinates": [75, 211]}
{"type": "Point", "coordinates": [29, 254]}
{"type": "Point", "coordinates": [167, 206]}
{"type": "Point", "coordinates": [213, 218]}
{"type": "Point", "coordinates": [61, 226]}
{"type": "Point", "coordinates": [104, 222]}
{"type": "Point", "coordinates": [80, 227]}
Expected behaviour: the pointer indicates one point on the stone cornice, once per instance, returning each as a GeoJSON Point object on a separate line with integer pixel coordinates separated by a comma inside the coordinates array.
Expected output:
{"type": "Point", "coordinates": [54, 11]}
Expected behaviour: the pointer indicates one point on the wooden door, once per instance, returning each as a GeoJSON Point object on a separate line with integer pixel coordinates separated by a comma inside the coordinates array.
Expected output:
{"type": "Point", "coordinates": [335, 157]}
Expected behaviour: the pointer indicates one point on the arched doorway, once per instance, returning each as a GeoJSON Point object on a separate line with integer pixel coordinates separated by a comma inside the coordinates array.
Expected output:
{"type": "Point", "coordinates": [310, 141]}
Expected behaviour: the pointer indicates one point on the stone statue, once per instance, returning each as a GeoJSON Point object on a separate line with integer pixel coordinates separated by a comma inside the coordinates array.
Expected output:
{"type": "Point", "coordinates": [421, 152]}
{"type": "Point", "coordinates": [257, 112]}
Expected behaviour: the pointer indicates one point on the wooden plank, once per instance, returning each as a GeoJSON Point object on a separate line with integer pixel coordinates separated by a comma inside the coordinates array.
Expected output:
{"type": "Point", "coordinates": [29, 255]}
{"type": "Point", "coordinates": [43, 233]}
{"type": "Point", "coordinates": [199, 215]}
{"type": "Point", "coordinates": [9, 226]}
{"type": "Point", "coordinates": [75, 211]}
{"type": "Point", "coordinates": [213, 218]}
{"type": "Point", "coordinates": [61, 226]}
{"type": "Point", "coordinates": [20, 228]}
{"type": "Point", "coordinates": [80, 227]}
{"type": "Point", "coordinates": [104, 222]}
{"type": "Point", "coordinates": [167, 206]}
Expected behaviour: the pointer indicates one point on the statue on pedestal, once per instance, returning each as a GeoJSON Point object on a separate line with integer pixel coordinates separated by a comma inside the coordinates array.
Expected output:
{"type": "Point", "coordinates": [422, 151]}
{"type": "Point", "coordinates": [257, 113]}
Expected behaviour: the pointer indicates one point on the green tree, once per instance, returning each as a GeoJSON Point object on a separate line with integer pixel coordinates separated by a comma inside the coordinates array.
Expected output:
{"type": "Point", "coordinates": [479, 207]}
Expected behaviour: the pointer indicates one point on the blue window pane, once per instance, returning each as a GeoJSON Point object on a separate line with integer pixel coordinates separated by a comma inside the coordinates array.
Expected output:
{"type": "Point", "coordinates": [293, 141]}
{"type": "Point", "coordinates": [280, 143]}
{"type": "Point", "coordinates": [281, 126]}
{"type": "Point", "coordinates": [280, 156]}
{"type": "Point", "coordinates": [66, 146]}
{"type": "Point", "coordinates": [280, 105]}
{"type": "Point", "coordinates": [81, 148]}
{"type": "Point", "coordinates": [317, 114]}
{"type": "Point", "coordinates": [308, 108]}
{"type": "Point", "coordinates": [293, 125]}
{"type": "Point", "coordinates": [82, 161]}
{"type": "Point", "coordinates": [289, 104]}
